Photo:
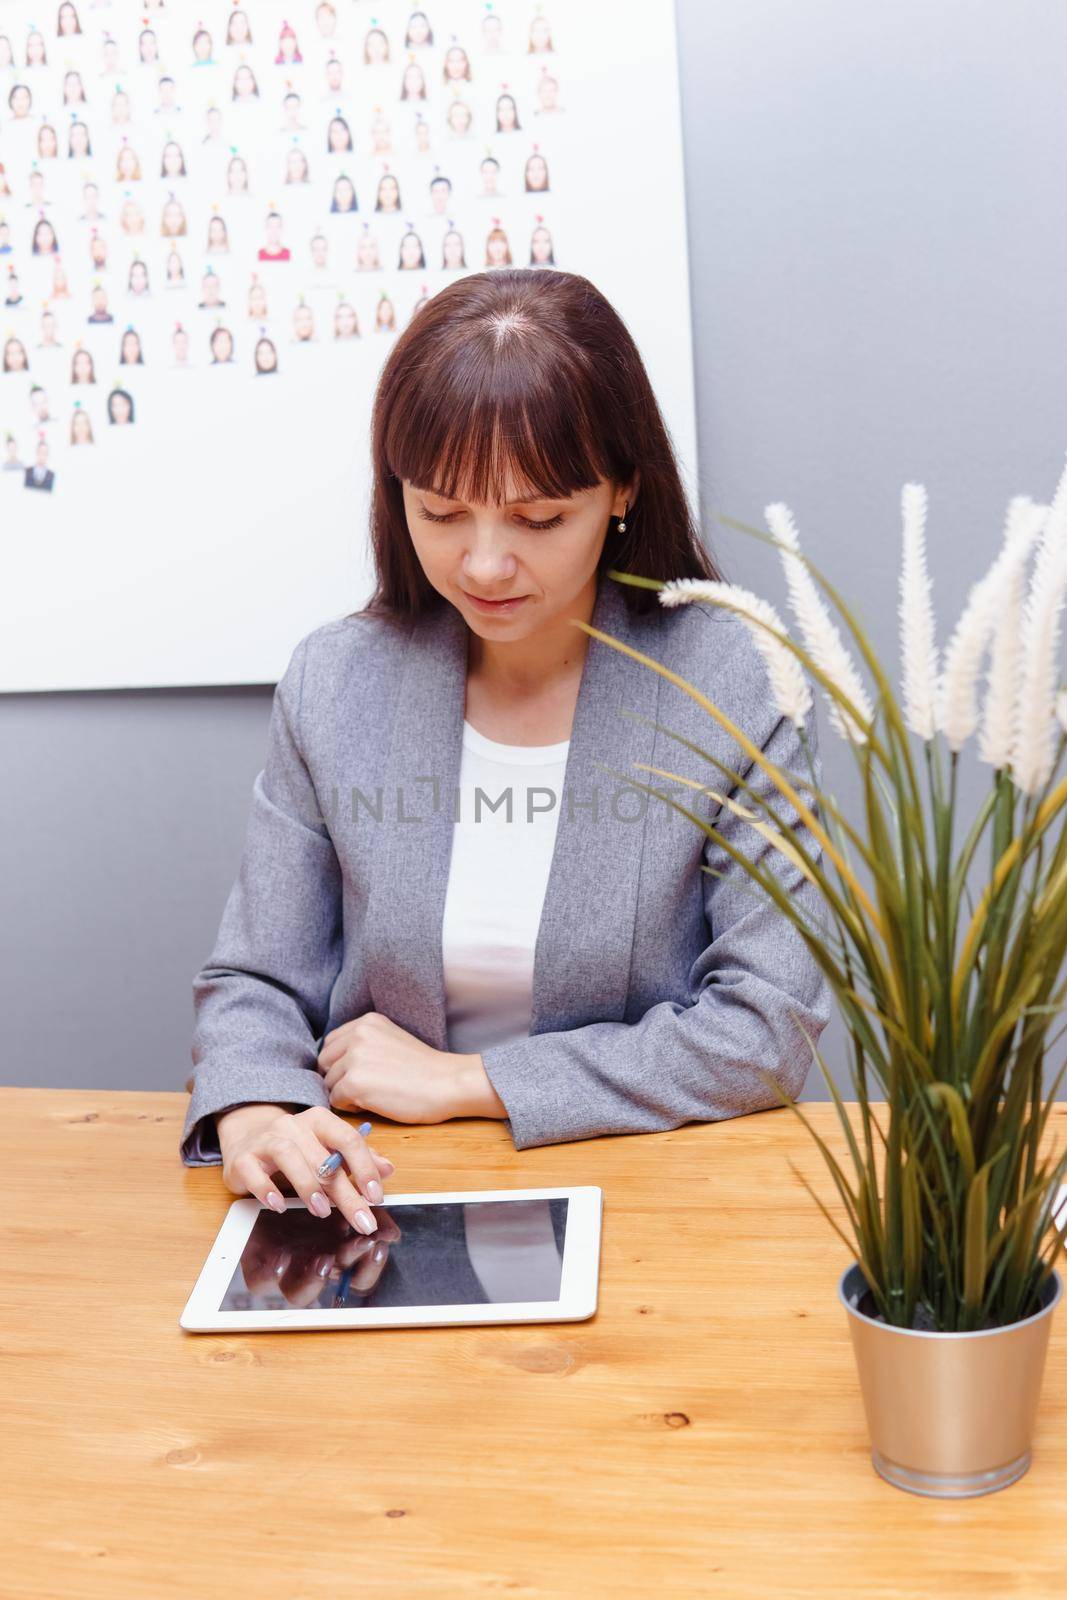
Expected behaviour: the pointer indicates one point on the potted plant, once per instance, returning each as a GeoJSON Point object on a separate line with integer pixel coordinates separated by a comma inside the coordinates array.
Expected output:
{"type": "Point", "coordinates": [947, 1003]}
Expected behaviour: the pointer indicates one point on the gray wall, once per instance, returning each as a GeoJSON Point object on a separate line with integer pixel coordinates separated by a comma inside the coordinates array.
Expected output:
{"type": "Point", "coordinates": [878, 242]}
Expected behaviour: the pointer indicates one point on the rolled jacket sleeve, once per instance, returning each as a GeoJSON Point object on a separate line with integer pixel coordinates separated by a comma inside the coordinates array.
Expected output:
{"type": "Point", "coordinates": [262, 1000]}
{"type": "Point", "coordinates": [751, 989]}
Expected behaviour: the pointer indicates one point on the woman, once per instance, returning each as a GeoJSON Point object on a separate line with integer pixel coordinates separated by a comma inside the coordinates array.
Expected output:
{"type": "Point", "coordinates": [592, 981]}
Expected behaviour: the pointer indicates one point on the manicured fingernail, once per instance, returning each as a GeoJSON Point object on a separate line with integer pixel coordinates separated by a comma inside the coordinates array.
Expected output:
{"type": "Point", "coordinates": [379, 1251]}
{"type": "Point", "coordinates": [385, 1162]}
{"type": "Point", "coordinates": [366, 1221]}
{"type": "Point", "coordinates": [275, 1201]}
{"type": "Point", "coordinates": [319, 1204]}
{"type": "Point", "coordinates": [323, 1265]}
{"type": "Point", "coordinates": [375, 1192]}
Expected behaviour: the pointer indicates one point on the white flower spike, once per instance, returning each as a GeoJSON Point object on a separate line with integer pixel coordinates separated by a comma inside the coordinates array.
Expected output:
{"type": "Point", "coordinates": [918, 650]}
{"type": "Point", "coordinates": [789, 684]}
{"type": "Point", "coordinates": [821, 638]}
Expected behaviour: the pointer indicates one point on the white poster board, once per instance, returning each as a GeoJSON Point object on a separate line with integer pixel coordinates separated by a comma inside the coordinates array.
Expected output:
{"type": "Point", "coordinates": [197, 540]}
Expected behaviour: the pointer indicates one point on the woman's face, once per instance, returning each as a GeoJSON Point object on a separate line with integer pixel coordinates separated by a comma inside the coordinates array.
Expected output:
{"type": "Point", "coordinates": [83, 367]}
{"type": "Point", "coordinates": [494, 552]}
{"type": "Point", "coordinates": [127, 162]}
{"type": "Point", "coordinates": [131, 349]}
{"type": "Point", "coordinates": [120, 106]}
{"type": "Point", "coordinates": [453, 250]}
{"type": "Point", "coordinates": [266, 356]}
{"type": "Point", "coordinates": [497, 249]}
{"type": "Point", "coordinates": [216, 233]}
{"type": "Point", "coordinates": [418, 28]}
{"type": "Point", "coordinates": [79, 139]}
{"type": "Point", "coordinates": [149, 49]}
{"type": "Point", "coordinates": [257, 301]}
{"type": "Point", "coordinates": [413, 83]}
{"type": "Point", "coordinates": [174, 266]}
{"type": "Point", "coordinates": [35, 53]}
{"type": "Point", "coordinates": [81, 429]}
{"type": "Point", "coordinates": [455, 62]}
{"type": "Point", "coordinates": [238, 28]}
{"type": "Point", "coordinates": [68, 21]}
{"type": "Point", "coordinates": [120, 408]}
{"type": "Point", "coordinates": [138, 277]}
{"type": "Point", "coordinates": [506, 114]}
{"type": "Point", "coordinates": [46, 238]}
{"type": "Point", "coordinates": [202, 45]}
{"type": "Point", "coordinates": [16, 357]}
{"type": "Point", "coordinates": [376, 47]}
{"type": "Point", "coordinates": [367, 252]}
{"type": "Point", "coordinates": [344, 194]}
{"type": "Point", "coordinates": [20, 101]}
{"type": "Point", "coordinates": [410, 251]}
{"type": "Point", "coordinates": [172, 217]}
{"type": "Point", "coordinates": [339, 139]}
{"type": "Point", "coordinates": [541, 245]}
{"type": "Point", "coordinates": [238, 175]}
{"type": "Point", "coordinates": [345, 321]}
{"type": "Point", "coordinates": [47, 143]}
{"type": "Point", "coordinates": [389, 193]}
{"type": "Point", "coordinates": [287, 46]}
{"type": "Point", "coordinates": [537, 172]}
{"type": "Point", "coordinates": [172, 160]}
{"type": "Point", "coordinates": [131, 218]}
{"type": "Point", "coordinates": [540, 34]}
{"type": "Point", "coordinates": [221, 345]}
{"type": "Point", "coordinates": [459, 117]}
{"type": "Point", "coordinates": [244, 83]}
{"type": "Point", "coordinates": [73, 92]}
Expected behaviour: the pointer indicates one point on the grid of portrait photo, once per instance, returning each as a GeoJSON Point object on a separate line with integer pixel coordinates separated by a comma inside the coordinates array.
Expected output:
{"type": "Point", "coordinates": [217, 187]}
{"type": "Point", "coordinates": [215, 221]}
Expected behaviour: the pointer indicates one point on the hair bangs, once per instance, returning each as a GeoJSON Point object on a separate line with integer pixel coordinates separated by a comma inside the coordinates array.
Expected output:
{"type": "Point", "coordinates": [515, 433]}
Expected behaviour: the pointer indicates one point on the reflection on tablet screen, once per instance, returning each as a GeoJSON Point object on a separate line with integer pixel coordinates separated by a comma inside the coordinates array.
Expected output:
{"type": "Point", "coordinates": [441, 1253]}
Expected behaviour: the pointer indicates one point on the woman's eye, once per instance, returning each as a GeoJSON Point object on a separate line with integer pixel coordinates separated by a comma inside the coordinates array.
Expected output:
{"type": "Point", "coordinates": [431, 516]}
{"type": "Point", "coordinates": [553, 522]}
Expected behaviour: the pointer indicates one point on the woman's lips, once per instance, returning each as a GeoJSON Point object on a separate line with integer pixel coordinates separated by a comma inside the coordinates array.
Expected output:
{"type": "Point", "coordinates": [496, 605]}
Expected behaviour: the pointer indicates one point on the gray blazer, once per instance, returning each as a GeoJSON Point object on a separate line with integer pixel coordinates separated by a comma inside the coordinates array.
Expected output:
{"type": "Point", "coordinates": [657, 986]}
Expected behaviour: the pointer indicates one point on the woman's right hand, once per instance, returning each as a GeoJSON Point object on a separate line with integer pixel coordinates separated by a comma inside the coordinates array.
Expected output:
{"type": "Point", "coordinates": [257, 1141]}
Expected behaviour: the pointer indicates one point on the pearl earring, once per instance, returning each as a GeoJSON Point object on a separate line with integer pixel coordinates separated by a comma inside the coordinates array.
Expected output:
{"type": "Point", "coordinates": [620, 526]}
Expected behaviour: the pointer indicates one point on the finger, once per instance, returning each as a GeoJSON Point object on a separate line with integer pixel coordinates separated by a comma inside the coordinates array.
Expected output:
{"type": "Point", "coordinates": [284, 1150]}
{"type": "Point", "coordinates": [354, 1207]}
{"type": "Point", "coordinates": [371, 1267]}
{"type": "Point", "coordinates": [385, 1165]}
{"type": "Point", "coordinates": [337, 1134]}
{"type": "Point", "coordinates": [255, 1174]}
{"type": "Point", "coordinates": [332, 1050]}
{"type": "Point", "coordinates": [302, 1287]}
{"type": "Point", "coordinates": [335, 1071]}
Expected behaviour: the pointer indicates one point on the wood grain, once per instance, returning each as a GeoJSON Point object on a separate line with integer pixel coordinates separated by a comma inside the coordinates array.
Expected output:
{"type": "Point", "coordinates": [703, 1434]}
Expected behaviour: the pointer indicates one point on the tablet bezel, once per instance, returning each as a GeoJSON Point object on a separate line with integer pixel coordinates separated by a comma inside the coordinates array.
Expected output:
{"type": "Point", "coordinates": [578, 1287]}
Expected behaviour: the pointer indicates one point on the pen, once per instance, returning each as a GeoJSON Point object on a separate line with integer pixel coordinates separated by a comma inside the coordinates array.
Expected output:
{"type": "Point", "coordinates": [334, 1160]}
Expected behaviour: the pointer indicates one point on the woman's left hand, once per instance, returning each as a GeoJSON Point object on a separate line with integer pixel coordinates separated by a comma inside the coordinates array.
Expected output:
{"type": "Point", "coordinates": [372, 1064]}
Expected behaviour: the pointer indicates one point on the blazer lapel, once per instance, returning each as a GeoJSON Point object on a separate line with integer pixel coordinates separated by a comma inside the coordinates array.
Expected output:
{"type": "Point", "coordinates": [582, 955]}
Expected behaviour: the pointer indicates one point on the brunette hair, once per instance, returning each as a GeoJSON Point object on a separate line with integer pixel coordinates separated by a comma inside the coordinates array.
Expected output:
{"type": "Point", "coordinates": [532, 369]}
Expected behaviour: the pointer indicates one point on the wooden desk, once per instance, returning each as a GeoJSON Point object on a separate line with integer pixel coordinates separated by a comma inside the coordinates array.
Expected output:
{"type": "Point", "coordinates": [702, 1435]}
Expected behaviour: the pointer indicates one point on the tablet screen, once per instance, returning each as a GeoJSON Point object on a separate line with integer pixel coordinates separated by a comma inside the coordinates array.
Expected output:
{"type": "Point", "coordinates": [439, 1253]}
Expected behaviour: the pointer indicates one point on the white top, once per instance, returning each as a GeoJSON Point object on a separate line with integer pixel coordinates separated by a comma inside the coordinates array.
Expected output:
{"type": "Point", "coordinates": [496, 886]}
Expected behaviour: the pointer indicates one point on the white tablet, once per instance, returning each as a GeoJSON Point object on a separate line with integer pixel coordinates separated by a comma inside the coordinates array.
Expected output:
{"type": "Point", "coordinates": [481, 1255]}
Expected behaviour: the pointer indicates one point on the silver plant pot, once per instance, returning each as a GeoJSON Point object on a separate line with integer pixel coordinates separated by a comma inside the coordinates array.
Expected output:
{"type": "Point", "coordinates": [948, 1414]}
